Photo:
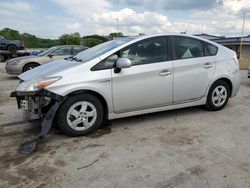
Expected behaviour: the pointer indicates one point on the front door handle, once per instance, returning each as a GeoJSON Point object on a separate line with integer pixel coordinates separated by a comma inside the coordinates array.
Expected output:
{"type": "Point", "coordinates": [208, 65]}
{"type": "Point", "coordinates": [164, 73]}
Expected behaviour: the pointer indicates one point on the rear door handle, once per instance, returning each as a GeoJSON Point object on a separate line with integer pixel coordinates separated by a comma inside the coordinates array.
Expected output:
{"type": "Point", "coordinates": [164, 73]}
{"type": "Point", "coordinates": [208, 65]}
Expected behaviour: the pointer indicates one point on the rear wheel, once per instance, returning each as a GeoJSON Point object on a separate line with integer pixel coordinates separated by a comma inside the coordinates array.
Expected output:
{"type": "Point", "coordinates": [12, 49]}
{"type": "Point", "coordinates": [218, 96]}
{"type": "Point", "coordinates": [80, 114]}
{"type": "Point", "coordinates": [30, 66]}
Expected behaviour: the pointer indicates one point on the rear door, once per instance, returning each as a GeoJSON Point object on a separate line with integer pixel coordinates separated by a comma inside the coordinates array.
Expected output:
{"type": "Point", "coordinates": [193, 70]}
{"type": "Point", "coordinates": [148, 83]}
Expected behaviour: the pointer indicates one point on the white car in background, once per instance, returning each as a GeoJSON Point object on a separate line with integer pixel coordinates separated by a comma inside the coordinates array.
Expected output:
{"type": "Point", "coordinates": [130, 76]}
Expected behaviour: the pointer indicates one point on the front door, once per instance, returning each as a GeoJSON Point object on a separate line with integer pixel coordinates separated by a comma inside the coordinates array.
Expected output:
{"type": "Point", "coordinates": [148, 83]}
{"type": "Point", "coordinates": [60, 53]}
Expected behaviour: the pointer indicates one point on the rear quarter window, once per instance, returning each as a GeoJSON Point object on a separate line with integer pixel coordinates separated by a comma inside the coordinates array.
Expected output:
{"type": "Point", "coordinates": [211, 50]}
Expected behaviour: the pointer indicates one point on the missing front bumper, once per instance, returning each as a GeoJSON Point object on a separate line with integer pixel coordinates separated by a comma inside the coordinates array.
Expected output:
{"type": "Point", "coordinates": [38, 105]}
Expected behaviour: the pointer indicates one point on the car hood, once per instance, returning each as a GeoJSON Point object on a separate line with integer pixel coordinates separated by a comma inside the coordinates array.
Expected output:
{"type": "Point", "coordinates": [49, 69]}
{"type": "Point", "coordinates": [23, 57]}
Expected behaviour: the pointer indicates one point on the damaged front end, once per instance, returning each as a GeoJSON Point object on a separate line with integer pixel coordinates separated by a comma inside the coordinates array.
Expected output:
{"type": "Point", "coordinates": [37, 104]}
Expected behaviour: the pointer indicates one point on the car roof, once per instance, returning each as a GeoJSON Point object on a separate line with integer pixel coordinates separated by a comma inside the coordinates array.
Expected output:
{"type": "Point", "coordinates": [140, 37]}
{"type": "Point", "coordinates": [70, 46]}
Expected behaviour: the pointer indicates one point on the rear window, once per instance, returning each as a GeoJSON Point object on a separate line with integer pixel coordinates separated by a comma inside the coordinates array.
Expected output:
{"type": "Point", "coordinates": [211, 49]}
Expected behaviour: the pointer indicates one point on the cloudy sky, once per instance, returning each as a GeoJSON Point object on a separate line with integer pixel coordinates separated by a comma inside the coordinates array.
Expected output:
{"type": "Point", "coordinates": [52, 18]}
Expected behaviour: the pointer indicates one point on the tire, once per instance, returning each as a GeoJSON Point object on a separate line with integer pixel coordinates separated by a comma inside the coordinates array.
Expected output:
{"type": "Point", "coordinates": [12, 49]}
{"type": "Point", "coordinates": [218, 96]}
{"type": "Point", "coordinates": [30, 66]}
{"type": "Point", "coordinates": [2, 58]}
{"type": "Point", "coordinates": [80, 114]}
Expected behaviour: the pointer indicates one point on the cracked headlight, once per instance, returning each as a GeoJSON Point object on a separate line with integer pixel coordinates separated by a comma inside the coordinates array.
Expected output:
{"type": "Point", "coordinates": [36, 84]}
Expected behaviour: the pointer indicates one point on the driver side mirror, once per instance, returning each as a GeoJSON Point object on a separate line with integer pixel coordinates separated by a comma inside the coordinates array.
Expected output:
{"type": "Point", "coordinates": [122, 63]}
{"type": "Point", "coordinates": [50, 55]}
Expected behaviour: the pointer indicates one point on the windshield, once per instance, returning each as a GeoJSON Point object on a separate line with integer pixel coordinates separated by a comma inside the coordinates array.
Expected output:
{"type": "Point", "coordinates": [47, 51]}
{"type": "Point", "coordinates": [101, 49]}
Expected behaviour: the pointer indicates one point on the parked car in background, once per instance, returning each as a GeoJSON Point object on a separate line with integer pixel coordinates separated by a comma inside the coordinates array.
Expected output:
{"type": "Point", "coordinates": [19, 65]}
{"type": "Point", "coordinates": [11, 45]}
{"type": "Point", "coordinates": [130, 76]}
{"type": "Point", "coordinates": [35, 52]}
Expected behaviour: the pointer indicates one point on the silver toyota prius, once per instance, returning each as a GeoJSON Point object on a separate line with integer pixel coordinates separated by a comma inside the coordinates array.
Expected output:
{"type": "Point", "coordinates": [129, 76]}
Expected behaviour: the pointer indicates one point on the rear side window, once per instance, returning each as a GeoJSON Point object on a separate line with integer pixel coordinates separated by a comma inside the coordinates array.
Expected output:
{"type": "Point", "coordinates": [188, 48]}
{"type": "Point", "coordinates": [211, 49]}
{"type": "Point", "coordinates": [62, 51]}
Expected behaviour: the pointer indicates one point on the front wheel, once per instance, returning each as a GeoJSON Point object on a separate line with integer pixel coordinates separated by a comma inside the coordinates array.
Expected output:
{"type": "Point", "coordinates": [218, 96]}
{"type": "Point", "coordinates": [30, 66]}
{"type": "Point", "coordinates": [2, 58]}
{"type": "Point", "coordinates": [80, 114]}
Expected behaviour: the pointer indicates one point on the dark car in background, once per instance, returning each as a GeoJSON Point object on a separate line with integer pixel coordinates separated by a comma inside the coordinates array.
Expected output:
{"type": "Point", "coordinates": [11, 45]}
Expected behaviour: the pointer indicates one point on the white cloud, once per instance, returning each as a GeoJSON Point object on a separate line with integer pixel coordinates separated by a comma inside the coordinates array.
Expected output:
{"type": "Point", "coordinates": [15, 6]}
{"type": "Point", "coordinates": [130, 21]}
{"type": "Point", "coordinates": [101, 18]}
{"type": "Point", "coordinates": [75, 26]}
{"type": "Point", "coordinates": [234, 6]}
{"type": "Point", "coordinates": [223, 17]}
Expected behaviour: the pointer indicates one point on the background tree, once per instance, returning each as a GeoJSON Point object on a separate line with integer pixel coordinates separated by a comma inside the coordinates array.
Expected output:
{"type": "Point", "coordinates": [115, 34]}
{"type": "Point", "coordinates": [67, 39]}
{"type": "Point", "coordinates": [32, 41]}
{"type": "Point", "coordinates": [10, 34]}
{"type": "Point", "coordinates": [90, 42]}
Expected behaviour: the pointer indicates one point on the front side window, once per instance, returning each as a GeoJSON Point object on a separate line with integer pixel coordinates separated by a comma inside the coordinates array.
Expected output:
{"type": "Point", "coordinates": [101, 49]}
{"type": "Point", "coordinates": [147, 51]}
{"type": "Point", "coordinates": [188, 48]}
{"type": "Point", "coordinates": [62, 51]}
{"type": "Point", "coordinates": [108, 63]}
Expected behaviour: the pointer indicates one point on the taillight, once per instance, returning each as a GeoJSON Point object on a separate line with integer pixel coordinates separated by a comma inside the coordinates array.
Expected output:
{"type": "Point", "coordinates": [236, 60]}
{"type": "Point", "coordinates": [22, 43]}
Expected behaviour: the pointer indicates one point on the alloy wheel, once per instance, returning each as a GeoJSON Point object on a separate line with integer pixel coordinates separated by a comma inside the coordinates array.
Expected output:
{"type": "Point", "coordinates": [219, 95]}
{"type": "Point", "coordinates": [81, 115]}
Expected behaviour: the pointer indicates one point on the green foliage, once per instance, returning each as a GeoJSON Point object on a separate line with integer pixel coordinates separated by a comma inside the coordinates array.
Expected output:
{"type": "Point", "coordinates": [119, 34]}
{"type": "Point", "coordinates": [10, 34]}
{"type": "Point", "coordinates": [31, 41]}
{"type": "Point", "coordinates": [73, 38]}
{"type": "Point", "coordinates": [90, 42]}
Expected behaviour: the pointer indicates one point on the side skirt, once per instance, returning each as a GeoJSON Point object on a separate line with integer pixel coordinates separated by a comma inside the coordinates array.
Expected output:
{"type": "Point", "coordinates": [113, 115]}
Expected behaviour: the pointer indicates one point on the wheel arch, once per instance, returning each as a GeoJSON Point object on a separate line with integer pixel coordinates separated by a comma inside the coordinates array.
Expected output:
{"type": "Point", "coordinates": [96, 94]}
{"type": "Point", "coordinates": [32, 62]}
{"type": "Point", "coordinates": [227, 80]}
{"type": "Point", "coordinates": [11, 45]}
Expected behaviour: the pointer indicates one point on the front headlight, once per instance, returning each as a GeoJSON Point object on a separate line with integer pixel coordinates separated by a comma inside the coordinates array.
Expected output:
{"type": "Point", "coordinates": [36, 84]}
{"type": "Point", "coordinates": [14, 61]}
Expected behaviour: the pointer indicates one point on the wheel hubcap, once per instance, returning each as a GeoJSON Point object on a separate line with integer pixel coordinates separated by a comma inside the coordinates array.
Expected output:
{"type": "Point", "coordinates": [81, 115]}
{"type": "Point", "coordinates": [219, 96]}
